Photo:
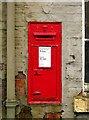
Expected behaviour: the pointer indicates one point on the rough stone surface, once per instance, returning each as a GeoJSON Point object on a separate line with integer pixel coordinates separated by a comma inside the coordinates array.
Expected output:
{"type": "Point", "coordinates": [38, 111]}
{"type": "Point", "coordinates": [70, 14]}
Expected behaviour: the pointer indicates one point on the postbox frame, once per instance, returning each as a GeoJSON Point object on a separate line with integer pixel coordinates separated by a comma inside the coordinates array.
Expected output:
{"type": "Point", "coordinates": [59, 83]}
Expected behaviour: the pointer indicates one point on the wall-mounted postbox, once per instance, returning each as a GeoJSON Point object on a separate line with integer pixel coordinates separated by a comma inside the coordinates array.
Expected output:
{"type": "Point", "coordinates": [44, 62]}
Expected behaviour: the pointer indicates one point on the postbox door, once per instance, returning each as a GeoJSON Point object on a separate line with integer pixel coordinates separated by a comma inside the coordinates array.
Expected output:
{"type": "Point", "coordinates": [44, 62]}
{"type": "Point", "coordinates": [44, 73]}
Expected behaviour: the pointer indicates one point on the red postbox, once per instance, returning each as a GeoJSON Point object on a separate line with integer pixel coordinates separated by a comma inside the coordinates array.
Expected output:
{"type": "Point", "coordinates": [44, 62]}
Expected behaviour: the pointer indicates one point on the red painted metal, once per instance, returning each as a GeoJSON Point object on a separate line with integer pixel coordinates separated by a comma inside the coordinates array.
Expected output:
{"type": "Point", "coordinates": [44, 33]}
{"type": "Point", "coordinates": [44, 83]}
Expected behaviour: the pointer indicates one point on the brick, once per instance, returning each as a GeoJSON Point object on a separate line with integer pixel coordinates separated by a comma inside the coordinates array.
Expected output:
{"type": "Point", "coordinates": [21, 91]}
{"type": "Point", "coordinates": [20, 76]}
{"type": "Point", "coordinates": [20, 83]}
{"type": "Point", "coordinates": [52, 116]}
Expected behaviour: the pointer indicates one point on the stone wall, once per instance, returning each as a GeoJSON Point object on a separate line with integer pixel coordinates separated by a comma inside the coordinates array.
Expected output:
{"type": "Point", "coordinates": [70, 14]}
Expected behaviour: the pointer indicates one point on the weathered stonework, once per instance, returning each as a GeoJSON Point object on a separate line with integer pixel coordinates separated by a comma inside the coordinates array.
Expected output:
{"type": "Point", "coordinates": [70, 14]}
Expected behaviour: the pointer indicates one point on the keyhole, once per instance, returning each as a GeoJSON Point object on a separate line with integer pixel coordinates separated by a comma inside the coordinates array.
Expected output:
{"type": "Point", "coordinates": [36, 72]}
